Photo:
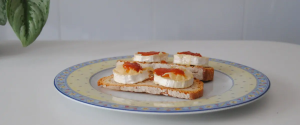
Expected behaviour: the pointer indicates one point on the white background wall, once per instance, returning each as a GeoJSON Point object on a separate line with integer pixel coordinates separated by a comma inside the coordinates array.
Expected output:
{"type": "Point", "coordinates": [275, 20]}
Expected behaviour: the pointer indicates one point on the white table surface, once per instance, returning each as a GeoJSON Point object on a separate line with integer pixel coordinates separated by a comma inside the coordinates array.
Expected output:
{"type": "Point", "coordinates": [28, 96]}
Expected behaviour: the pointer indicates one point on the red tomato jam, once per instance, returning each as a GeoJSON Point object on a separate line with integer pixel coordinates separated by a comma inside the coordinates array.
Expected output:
{"type": "Point", "coordinates": [190, 53]}
{"type": "Point", "coordinates": [162, 71]}
{"type": "Point", "coordinates": [163, 61]}
{"type": "Point", "coordinates": [149, 53]}
{"type": "Point", "coordinates": [135, 66]}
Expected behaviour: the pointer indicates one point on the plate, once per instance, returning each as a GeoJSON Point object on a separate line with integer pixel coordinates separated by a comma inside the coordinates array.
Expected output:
{"type": "Point", "coordinates": [234, 85]}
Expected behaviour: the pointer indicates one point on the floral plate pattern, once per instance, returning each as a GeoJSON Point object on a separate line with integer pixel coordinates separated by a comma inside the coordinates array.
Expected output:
{"type": "Point", "coordinates": [248, 86]}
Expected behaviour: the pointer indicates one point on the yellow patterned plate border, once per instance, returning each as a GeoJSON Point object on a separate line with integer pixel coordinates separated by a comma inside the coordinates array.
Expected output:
{"type": "Point", "coordinates": [249, 85]}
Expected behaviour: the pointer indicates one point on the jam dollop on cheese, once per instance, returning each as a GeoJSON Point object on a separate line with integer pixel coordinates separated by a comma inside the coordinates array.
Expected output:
{"type": "Point", "coordinates": [150, 53]}
{"type": "Point", "coordinates": [135, 66]}
{"type": "Point", "coordinates": [190, 53]}
{"type": "Point", "coordinates": [164, 62]}
{"type": "Point", "coordinates": [162, 71]}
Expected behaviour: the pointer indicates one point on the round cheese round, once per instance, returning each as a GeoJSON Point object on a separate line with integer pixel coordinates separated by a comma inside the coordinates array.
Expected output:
{"type": "Point", "coordinates": [190, 60]}
{"type": "Point", "coordinates": [151, 58]}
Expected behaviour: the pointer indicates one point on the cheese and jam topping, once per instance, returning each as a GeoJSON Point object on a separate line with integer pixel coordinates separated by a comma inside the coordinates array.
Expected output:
{"type": "Point", "coordinates": [190, 58]}
{"type": "Point", "coordinates": [151, 56]}
{"type": "Point", "coordinates": [173, 77]}
{"type": "Point", "coordinates": [150, 53]}
{"type": "Point", "coordinates": [130, 73]}
{"type": "Point", "coordinates": [166, 72]}
{"type": "Point", "coordinates": [190, 53]}
{"type": "Point", "coordinates": [135, 67]}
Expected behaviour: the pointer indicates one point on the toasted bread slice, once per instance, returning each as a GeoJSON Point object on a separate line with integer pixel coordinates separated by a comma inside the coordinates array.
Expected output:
{"type": "Point", "coordinates": [193, 92]}
{"type": "Point", "coordinates": [199, 72]}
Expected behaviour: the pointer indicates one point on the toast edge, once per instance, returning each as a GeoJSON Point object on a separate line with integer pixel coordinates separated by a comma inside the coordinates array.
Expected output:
{"type": "Point", "coordinates": [168, 91]}
{"type": "Point", "coordinates": [208, 74]}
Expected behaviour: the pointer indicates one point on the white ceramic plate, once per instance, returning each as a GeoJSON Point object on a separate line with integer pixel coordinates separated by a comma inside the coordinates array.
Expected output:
{"type": "Point", "coordinates": [234, 85]}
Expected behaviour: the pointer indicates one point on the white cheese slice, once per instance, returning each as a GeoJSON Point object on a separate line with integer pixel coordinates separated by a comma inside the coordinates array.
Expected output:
{"type": "Point", "coordinates": [152, 58]}
{"type": "Point", "coordinates": [190, 60]}
{"type": "Point", "coordinates": [175, 81]}
{"type": "Point", "coordinates": [131, 77]}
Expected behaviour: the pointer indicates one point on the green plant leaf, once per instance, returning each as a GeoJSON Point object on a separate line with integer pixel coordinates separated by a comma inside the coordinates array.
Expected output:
{"type": "Point", "coordinates": [27, 18]}
{"type": "Point", "coordinates": [3, 18]}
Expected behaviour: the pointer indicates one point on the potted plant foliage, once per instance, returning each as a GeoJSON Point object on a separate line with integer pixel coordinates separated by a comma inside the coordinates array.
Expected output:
{"type": "Point", "coordinates": [26, 17]}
